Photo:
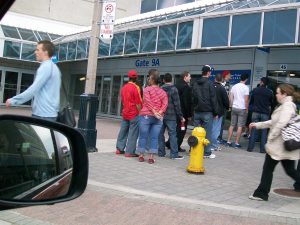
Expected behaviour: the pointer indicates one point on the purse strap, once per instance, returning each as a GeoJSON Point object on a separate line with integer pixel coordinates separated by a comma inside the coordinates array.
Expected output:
{"type": "Point", "coordinates": [63, 86]}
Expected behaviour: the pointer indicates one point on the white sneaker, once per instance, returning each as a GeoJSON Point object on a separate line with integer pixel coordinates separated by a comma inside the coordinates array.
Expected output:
{"type": "Point", "coordinates": [211, 156]}
{"type": "Point", "coordinates": [255, 198]}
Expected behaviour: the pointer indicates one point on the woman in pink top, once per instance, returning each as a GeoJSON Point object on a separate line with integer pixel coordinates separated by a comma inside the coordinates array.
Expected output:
{"type": "Point", "coordinates": [155, 103]}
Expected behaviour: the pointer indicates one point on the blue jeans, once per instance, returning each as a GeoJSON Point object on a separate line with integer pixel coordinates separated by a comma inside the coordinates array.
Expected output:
{"type": "Point", "coordinates": [216, 129]}
{"type": "Point", "coordinates": [258, 117]}
{"type": "Point", "coordinates": [205, 120]}
{"type": "Point", "coordinates": [128, 135]}
{"type": "Point", "coordinates": [171, 126]}
{"type": "Point", "coordinates": [149, 127]}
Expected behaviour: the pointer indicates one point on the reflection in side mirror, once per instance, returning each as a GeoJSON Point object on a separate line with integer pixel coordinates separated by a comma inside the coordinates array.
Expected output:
{"type": "Point", "coordinates": [35, 162]}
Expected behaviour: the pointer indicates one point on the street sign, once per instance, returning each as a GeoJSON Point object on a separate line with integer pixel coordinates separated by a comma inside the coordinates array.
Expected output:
{"type": "Point", "coordinates": [107, 19]}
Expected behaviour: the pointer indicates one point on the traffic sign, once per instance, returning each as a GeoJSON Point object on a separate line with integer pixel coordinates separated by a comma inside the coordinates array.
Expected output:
{"type": "Point", "coordinates": [107, 20]}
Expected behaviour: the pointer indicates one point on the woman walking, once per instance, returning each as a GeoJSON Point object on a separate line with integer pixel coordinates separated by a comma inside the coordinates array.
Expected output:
{"type": "Point", "coordinates": [155, 103]}
{"type": "Point", "coordinates": [285, 95]}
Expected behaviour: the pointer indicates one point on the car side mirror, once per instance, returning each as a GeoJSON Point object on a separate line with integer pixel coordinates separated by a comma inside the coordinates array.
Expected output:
{"type": "Point", "coordinates": [41, 162]}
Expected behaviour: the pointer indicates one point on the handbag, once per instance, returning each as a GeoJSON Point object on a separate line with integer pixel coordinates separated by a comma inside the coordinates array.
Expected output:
{"type": "Point", "coordinates": [66, 115]}
{"type": "Point", "coordinates": [291, 134]}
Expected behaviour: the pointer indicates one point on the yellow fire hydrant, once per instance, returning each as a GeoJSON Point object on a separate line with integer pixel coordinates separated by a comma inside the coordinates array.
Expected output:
{"type": "Point", "coordinates": [197, 142]}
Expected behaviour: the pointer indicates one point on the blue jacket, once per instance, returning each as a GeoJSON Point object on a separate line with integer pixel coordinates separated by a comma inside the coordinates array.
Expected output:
{"type": "Point", "coordinates": [45, 90]}
{"type": "Point", "coordinates": [261, 100]}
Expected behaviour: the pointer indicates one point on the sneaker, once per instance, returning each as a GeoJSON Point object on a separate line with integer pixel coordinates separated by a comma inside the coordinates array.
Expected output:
{"type": "Point", "coordinates": [255, 198]}
{"type": "Point", "coordinates": [228, 144]}
{"type": "Point", "coordinates": [218, 149]}
{"type": "Point", "coordinates": [141, 159]}
{"type": "Point", "coordinates": [237, 146]}
{"type": "Point", "coordinates": [178, 157]}
{"type": "Point", "coordinates": [181, 150]}
{"type": "Point", "coordinates": [129, 155]}
{"type": "Point", "coordinates": [211, 156]}
{"type": "Point", "coordinates": [119, 152]}
{"type": "Point", "coordinates": [151, 161]}
{"type": "Point", "coordinates": [221, 141]}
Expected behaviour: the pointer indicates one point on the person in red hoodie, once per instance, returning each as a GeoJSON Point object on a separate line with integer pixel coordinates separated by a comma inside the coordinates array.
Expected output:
{"type": "Point", "coordinates": [132, 104]}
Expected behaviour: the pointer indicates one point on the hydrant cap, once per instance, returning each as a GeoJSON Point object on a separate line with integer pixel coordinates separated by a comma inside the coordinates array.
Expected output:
{"type": "Point", "coordinates": [192, 141]}
{"type": "Point", "coordinates": [199, 132]}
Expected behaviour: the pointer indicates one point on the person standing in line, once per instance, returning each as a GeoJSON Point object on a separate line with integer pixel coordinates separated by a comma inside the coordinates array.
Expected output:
{"type": "Point", "coordinates": [239, 101]}
{"type": "Point", "coordinates": [261, 101]}
{"type": "Point", "coordinates": [185, 92]}
{"type": "Point", "coordinates": [285, 95]}
{"type": "Point", "coordinates": [223, 105]}
{"type": "Point", "coordinates": [205, 106]}
{"type": "Point", "coordinates": [132, 104]}
{"type": "Point", "coordinates": [155, 103]}
{"type": "Point", "coordinates": [170, 119]}
{"type": "Point", "coordinates": [226, 84]}
{"type": "Point", "coordinates": [45, 89]}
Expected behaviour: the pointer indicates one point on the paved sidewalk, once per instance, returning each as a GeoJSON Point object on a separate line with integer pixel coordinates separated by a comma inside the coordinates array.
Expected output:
{"type": "Point", "coordinates": [224, 189]}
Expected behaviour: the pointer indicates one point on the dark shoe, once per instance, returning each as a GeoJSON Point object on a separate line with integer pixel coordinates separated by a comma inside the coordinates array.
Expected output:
{"type": "Point", "coordinates": [119, 152]}
{"type": "Point", "coordinates": [237, 146]}
{"type": "Point", "coordinates": [249, 150]}
{"type": "Point", "coordinates": [262, 151]}
{"type": "Point", "coordinates": [178, 157]}
{"type": "Point", "coordinates": [297, 190]}
{"type": "Point", "coordinates": [181, 150]}
{"type": "Point", "coordinates": [151, 161]}
{"type": "Point", "coordinates": [129, 155]}
{"type": "Point", "coordinates": [228, 144]}
{"type": "Point", "coordinates": [161, 155]}
{"type": "Point", "coordinates": [141, 159]}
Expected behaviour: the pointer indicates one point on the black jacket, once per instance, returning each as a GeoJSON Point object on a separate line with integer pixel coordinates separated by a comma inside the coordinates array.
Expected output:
{"type": "Point", "coordinates": [261, 100]}
{"type": "Point", "coordinates": [204, 96]}
{"type": "Point", "coordinates": [173, 111]}
{"type": "Point", "coordinates": [185, 93]}
{"type": "Point", "coordinates": [222, 98]}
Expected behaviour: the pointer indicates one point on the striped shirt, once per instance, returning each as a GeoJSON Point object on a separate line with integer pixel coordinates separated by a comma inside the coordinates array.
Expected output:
{"type": "Point", "coordinates": [154, 98]}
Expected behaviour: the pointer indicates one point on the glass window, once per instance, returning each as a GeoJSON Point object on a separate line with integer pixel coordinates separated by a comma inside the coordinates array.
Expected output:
{"type": "Point", "coordinates": [185, 33]}
{"type": "Point", "coordinates": [148, 40]}
{"type": "Point", "coordinates": [132, 42]}
{"type": "Point", "coordinates": [26, 81]}
{"type": "Point", "coordinates": [180, 2]}
{"type": "Point", "coordinates": [162, 4]}
{"type": "Point", "coordinates": [215, 32]}
{"type": "Point", "coordinates": [105, 94]}
{"type": "Point", "coordinates": [245, 29]}
{"type": "Point", "coordinates": [117, 44]}
{"type": "Point", "coordinates": [166, 37]}
{"type": "Point", "coordinates": [44, 36]}
{"type": "Point", "coordinates": [103, 49]}
{"type": "Point", "coordinates": [280, 27]}
{"type": "Point", "coordinates": [10, 32]}
{"type": "Point", "coordinates": [71, 50]}
{"type": "Point", "coordinates": [115, 95]}
{"type": "Point", "coordinates": [12, 49]}
{"type": "Point", "coordinates": [81, 49]}
{"type": "Point", "coordinates": [148, 6]}
{"type": "Point", "coordinates": [63, 49]}
{"type": "Point", "coordinates": [27, 35]}
{"type": "Point", "coordinates": [28, 52]}
{"type": "Point", "coordinates": [54, 36]}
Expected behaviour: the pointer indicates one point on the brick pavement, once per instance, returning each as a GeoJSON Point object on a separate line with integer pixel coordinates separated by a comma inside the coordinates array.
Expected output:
{"type": "Point", "coordinates": [222, 192]}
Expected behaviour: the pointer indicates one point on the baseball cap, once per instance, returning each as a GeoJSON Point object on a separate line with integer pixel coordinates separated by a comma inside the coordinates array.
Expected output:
{"type": "Point", "coordinates": [225, 73]}
{"type": "Point", "coordinates": [132, 74]}
{"type": "Point", "coordinates": [206, 68]}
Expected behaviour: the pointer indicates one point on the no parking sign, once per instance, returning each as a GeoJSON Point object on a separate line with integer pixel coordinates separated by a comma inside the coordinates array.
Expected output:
{"type": "Point", "coordinates": [107, 19]}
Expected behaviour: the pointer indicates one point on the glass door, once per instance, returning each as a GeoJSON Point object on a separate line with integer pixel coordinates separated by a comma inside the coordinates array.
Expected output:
{"type": "Point", "coordinates": [115, 95]}
{"type": "Point", "coordinates": [26, 81]}
{"type": "Point", "coordinates": [1, 86]}
{"type": "Point", "coordinates": [105, 94]}
{"type": "Point", "coordinates": [10, 85]}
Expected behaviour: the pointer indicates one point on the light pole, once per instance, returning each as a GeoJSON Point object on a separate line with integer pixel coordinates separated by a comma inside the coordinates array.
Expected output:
{"type": "Point", "coordinates": [89, 101]}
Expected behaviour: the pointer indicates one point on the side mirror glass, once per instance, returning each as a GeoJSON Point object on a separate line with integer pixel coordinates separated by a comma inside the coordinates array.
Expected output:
{"type": "Point", "coordinates": [37, 160]}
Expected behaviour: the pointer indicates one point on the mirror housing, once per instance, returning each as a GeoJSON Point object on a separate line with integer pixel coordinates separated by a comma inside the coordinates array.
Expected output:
{"type": "Point", "coordinates": [79, 173]}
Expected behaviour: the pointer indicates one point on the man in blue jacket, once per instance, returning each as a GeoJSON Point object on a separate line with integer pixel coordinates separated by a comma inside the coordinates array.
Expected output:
{"type": "Point", "coordinates": [45, 90]}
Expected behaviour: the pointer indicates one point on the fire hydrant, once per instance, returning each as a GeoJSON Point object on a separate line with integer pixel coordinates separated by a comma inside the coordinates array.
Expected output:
{"type": "Point", "coordinates": [197, 142]}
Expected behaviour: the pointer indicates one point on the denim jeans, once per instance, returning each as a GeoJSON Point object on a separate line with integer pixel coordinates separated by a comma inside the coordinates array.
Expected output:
{"type": "Point", "coordinates": [128, 135]}
{"type": "Point", "coordinates": [258, 117]}
{"type": "Point", "coordinates": [205, 120]}
{"type": "Point", "coordinates": [149, 127]}
{"type": "Point", "coordinates": [171, 126]}
{"type": "Point", "coordinates": [216, 128]}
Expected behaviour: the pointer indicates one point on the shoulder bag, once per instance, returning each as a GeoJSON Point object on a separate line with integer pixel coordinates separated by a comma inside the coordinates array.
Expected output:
{"type": "Point", "coordinates": [291, 134]}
